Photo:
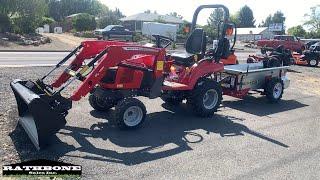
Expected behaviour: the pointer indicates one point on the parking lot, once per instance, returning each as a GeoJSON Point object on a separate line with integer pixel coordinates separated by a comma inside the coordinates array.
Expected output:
{"type": "Point", "coordinates": [246, 139]}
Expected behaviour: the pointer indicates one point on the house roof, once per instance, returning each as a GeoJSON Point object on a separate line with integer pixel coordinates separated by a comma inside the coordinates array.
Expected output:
{"type": "Point", "coordinates": [152, 17]}
{"type": "Point", "coordinates": [244, 31]}
{"type": "Point", "coordinates": [73, 15]}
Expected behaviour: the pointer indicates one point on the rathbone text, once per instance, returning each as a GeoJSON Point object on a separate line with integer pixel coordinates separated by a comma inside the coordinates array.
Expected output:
{"type": "Point", "coordinates": [41, 168]}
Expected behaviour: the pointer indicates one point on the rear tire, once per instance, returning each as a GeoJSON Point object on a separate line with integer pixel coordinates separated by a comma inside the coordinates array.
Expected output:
{"type": "Point", "coordinates": [130, 113]}
{"type": "Point", "coordinates": [274, 90]}
{"type": "Point", "coordinates": [206, 98]}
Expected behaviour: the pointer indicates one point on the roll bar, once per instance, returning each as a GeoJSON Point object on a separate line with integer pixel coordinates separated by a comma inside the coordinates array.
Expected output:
{"type": "Point", "coordinates": [219, 49]}
{"type": "Point", "coordinates": [210, 6]}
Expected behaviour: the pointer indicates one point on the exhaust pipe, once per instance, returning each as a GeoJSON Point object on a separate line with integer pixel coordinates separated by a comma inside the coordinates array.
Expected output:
{"type": "Point", "coordinates": [40, 114]}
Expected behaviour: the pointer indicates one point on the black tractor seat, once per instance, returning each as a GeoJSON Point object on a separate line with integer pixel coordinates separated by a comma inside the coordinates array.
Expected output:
{"type": "Point", "coordinates": [195, 45]}
{"type": "Point", "coordinates": [183, 58]}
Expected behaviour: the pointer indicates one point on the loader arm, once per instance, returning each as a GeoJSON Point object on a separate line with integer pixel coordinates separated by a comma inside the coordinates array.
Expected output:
{"type": "Point", "coordinates": [113, 57]}
{"type": "Point", "coordinates": [89, 49]}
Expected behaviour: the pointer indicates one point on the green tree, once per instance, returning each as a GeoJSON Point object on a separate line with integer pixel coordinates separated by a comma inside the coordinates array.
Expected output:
{"type": "Point", "coordinates": [213, 22]}
{"type": "Point", "coordinates": [46, 20]}
{"type": "Point", "coordinates": [297, 31]}
{"type": "Point", "coordinates": [234, 18]}
{"type": "Point", "coordinates": [245, 17]}
{"type": "Point", "coordinates": [110, 17]}
{"type": "Point", "coordinates": [8, 7]}
{"type": "Point", "coordinates": [5, 23]}
{"type": "Point", "coordinates": [22, 17]}
{"type": "Point", "coordinates": [266, 22]}
{"type": "Point", "coordinates": [29, 15]}
{"type": "Point", "coordinates": [313, 34]}
{"type": "Point", "coordinates": [58, 9]}
{"type": "Point", "coordinates": [313, 22]}
{"type": "Point", "coordinates": [313, 18]}
{"type": "Point", "coordinates": [277, 17]}
{"type": "Point", "coordinates": [84, 22]}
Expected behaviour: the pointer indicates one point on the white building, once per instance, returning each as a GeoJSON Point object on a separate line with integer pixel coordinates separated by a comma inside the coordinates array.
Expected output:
{"type": "Point", "coordinates": [135, 22]}
{"type": "Point", "coordinates": [167, 30]}
{"type": "Point", "coordinates": [253, 34]}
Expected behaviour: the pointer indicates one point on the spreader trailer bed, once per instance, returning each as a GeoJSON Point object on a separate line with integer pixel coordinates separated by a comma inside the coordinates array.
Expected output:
{"type": "Point", "coordinates": [238, 80]}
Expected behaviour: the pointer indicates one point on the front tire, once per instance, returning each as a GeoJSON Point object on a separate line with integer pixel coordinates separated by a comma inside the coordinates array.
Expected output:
{"type": "Point", "coordinates": [206, 98]}
{"type": "Point", "coordinates": [99, 104]}
{"type": "Point", "coordinates": [130, 113]}
{"type": "Point", "coordinates": [274, 90]}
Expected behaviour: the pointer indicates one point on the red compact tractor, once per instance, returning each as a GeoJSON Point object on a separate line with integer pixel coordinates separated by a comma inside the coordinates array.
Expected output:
{"type": "Point", "coordinates": [114, 73]}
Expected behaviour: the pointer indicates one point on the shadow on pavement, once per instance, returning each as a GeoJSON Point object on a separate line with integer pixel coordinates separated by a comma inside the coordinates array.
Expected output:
{"type": "Point", "coordinates": [260, 106]}
{"type": "Point", "coordinates": [164, 134]}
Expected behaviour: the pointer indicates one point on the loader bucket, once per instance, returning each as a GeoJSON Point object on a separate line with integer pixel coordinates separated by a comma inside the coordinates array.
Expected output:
{"type": "Point", "coordinates": [39, 116]}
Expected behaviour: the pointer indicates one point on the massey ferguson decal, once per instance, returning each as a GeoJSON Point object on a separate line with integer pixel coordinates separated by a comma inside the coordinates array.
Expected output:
{"type": "Point", "coordinates": [145, 49]}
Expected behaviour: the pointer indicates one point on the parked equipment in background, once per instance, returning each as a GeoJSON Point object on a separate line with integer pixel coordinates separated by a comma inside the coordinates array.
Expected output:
{"type": "Point", "coordinates": [315, 47]}
{"type": "Point", "coordinates": [310, 58]}
{"type": "Point", "coordinates": [273, 57]}
{"type": "Point", "coordinates": [312, 42]}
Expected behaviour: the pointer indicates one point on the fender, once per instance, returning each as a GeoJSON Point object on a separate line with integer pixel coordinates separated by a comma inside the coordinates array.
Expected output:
{"type": "Point", "coordinates": [199, 70]}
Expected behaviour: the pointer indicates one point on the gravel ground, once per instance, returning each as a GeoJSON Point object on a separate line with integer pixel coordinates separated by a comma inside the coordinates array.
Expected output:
{"type": "Point", "coordinates": [60, 42]}
{"type": "Point", "coordinates": [8, 116]}
{"type": "Point", "coordinates": [16, 147]}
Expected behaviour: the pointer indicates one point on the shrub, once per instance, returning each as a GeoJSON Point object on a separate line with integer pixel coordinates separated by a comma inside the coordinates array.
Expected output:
{"type": "Point", "coordinates": [24, 24]}
{"type": "Point", "coordinates": [5, 23]}
{"type": "Point", "coordinates": [137, 37]}
{"type": "Point", "coordinates": [46, 20]}
{"type": "Point", "coordinates": [85, 34]}
{"type": "Point", "coordinates": [84, 22]}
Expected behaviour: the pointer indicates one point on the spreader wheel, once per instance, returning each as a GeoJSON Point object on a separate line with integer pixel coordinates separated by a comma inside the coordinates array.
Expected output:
{"type": "Point", "coordinates": [99, 104]}
{"type": "Point", "coordinates": [206, 98]}
{"type": "Point", "coordinates": [274, 90]}
{"type": "Point", "coordinates": [130, 113]}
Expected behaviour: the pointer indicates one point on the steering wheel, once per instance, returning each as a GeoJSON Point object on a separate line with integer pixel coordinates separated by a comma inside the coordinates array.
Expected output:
{"type": "Point", "coordinates": [160, 38]}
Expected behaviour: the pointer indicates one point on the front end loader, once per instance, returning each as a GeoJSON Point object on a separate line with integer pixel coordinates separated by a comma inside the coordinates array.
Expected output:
{"type": "Point", "coordinates": [123, 69]}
